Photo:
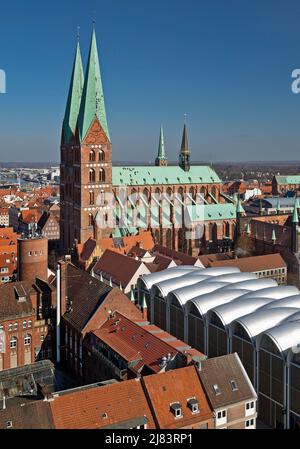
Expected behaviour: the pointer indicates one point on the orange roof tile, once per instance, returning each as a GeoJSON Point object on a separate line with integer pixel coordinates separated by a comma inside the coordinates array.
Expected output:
{"type": "Point", "coordinates": [162, 394]}
{"type": "Point", "coordinates": [98, 407]}
{"type": "Point", "coordinates": [134, 342]}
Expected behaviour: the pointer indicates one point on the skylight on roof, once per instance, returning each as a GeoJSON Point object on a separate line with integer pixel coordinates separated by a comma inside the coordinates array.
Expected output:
{"type": "Point", "coordinates": [233, 384]}
{"type": "Point", "coordinates": [216, 389]}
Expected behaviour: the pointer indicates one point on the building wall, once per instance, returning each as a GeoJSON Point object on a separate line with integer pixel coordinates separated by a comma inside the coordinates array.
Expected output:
{"type": "Point", "coordinates": [40, 346]}
{"type": "Point", "coordinates": [86, 179]}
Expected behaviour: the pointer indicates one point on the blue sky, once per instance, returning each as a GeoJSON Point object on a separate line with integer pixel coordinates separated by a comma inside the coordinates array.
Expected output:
{"type": "Point", "coordinates": [226, 63]}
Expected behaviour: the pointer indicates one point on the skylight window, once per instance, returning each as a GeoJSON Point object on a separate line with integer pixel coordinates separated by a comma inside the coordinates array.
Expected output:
{"type": "Point", "coordinates": [216, 389]}
{"type": "Point", "coordinates": [233, 384]}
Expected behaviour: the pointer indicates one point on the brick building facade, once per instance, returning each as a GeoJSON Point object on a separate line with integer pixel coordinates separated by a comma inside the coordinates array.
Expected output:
{"type": "Point", "coordinates": [92, 204]}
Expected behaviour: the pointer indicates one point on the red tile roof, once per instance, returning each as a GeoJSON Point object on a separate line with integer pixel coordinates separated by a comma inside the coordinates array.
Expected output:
{"type": "Point", "coordinates": [31, 215]}
{"type": "Point", "coordinates": [254, 263]}
{"type": "Point", "coordinates": [177, 386]}
{"type": "Point", "coordinates": [117, 266]}
{"type": "Point", "coordinates": [143, 239]}
{"type": "Point", "coordinates": [104, 406]}
{"type": "Point", "coordinates": [134, 342]}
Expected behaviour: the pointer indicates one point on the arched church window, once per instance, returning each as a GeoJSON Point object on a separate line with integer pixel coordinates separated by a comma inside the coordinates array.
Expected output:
{"type": "Point", "coordinates": [92, 175]}
{"type": "Point", "coordinates": [101, 155]}
{"type": "Point", "coordinates": [92, 197]}
{"type": "Point", "coordinates": [101, 174]}
{"type": "Point", "coordinates": [92, 156]}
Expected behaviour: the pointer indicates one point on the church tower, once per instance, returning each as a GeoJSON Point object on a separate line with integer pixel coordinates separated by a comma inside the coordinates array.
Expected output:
{"type": "Point", "coordinates": [86, 165]}
{"type": "Point", "coordinates": [184, 155]}
{"type": "Point", "coordinates": [67, 151]}
{"type": "Point", "coordinates": [161, 159]}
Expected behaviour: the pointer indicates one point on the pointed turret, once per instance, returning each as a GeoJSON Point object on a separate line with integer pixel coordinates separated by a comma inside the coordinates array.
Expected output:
{"type": "Point", "coordinates": [92, 102]}
{"type": "Point", "coordinates": [295, 218]}
{"type": "Point", "coordinates": [74, 98]}
{"type": "Point", "coordinates": [273, 236]}
{"type": "Point", "coordinates": [161, 159]}
{"type": "Point", "coordinates": [184, 156]}
{"type": "Point", "coordinates": [248, 229]}
{"type": "Point", "coordinates": [143, 302]}
{"type": "Point", "coordinates": [239, 208]}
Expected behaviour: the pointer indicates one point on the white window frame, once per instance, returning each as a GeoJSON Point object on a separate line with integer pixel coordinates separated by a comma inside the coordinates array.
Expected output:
{"type": "Point", "coordinates": [220, 421]}
{"type": "Point", "coordinates": [27, 340]}
{"type": "Point", "coordinates": [13, 343]}
{"type": "Point", "coordinates": [251, 410]}
{"type": "Point", "coordinates": [251, 426]}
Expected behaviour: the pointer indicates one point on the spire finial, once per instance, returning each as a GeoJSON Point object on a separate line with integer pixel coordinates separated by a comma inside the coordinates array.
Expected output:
{"type": "Point", "coordinates": [184, 118]}
{"type": "Point", "coordinates": [78, 33]}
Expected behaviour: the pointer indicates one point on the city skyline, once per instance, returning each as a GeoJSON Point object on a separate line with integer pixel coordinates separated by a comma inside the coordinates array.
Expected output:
{"type": "Point", "coordinates": [228, 69]}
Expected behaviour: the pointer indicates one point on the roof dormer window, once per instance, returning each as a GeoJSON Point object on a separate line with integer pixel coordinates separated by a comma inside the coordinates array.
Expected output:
{"type": "Point", "coordinates": [176, 409]}
{"type": "Point", "coordinates": [233, 384]}
{"type": "Point", "coordinates": [193, 405]}
{"type": "Point", "coordinates": [216, 389]}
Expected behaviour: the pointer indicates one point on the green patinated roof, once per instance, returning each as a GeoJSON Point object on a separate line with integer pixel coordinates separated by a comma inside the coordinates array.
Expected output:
{"type": "Point", "coordinates": [74, 97]}
{"type": "Point", "coordinates": [211, 212]}
{"type": "Point", "coordinates": [161, 154]}
{"type": "Point", "coordinates": [139, 176]}
{"type": "Point", "coordinates": [295, 218]}
{"type": "Point", "coordinates": [290, 179]}
{"type": "Point", "coordinates": [92, 103]}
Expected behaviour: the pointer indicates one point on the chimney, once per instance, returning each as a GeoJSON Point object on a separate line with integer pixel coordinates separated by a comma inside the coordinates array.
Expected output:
{"type": "Point", "coordinates": [61, 299]}
{"type": "Point", "coordinates": [62, 265]}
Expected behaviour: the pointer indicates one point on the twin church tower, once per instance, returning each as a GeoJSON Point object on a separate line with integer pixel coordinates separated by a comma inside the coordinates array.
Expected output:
{"type": "Point", "coordinates": [86, 153]}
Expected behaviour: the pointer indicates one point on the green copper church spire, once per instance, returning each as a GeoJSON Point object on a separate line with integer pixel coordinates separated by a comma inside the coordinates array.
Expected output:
{"type": "Point", "coordinates": [74, 98]}
{"type": "Point", "coordinates": [295, 218]}
{"type": "Point", "coordinates": [92, 102]}
{"type": "Point", "coordinates": [239, 207]}
{"type": "Point", "coordinates": [161, 154]}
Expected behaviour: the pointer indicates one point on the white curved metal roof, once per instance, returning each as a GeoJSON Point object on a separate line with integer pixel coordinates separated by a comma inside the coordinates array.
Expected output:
{"type": "Point", "coordinates": [167, 286]}
{"type": "Point", "coordinates": [183, 295]}
{"type": "Point", "coordinates": [253, 284]}
{"type": "Point", "coordinates": [263, 319]}
{"type": "Point", "coordinates": [290, 301]}
{"type": "Point", "coordinates": [276, 292]}
{"type": "Point", "coordinates": [258, 304]}
{"type": "Point", "coordinates": [285, 336]}
{"type": "Point", "coordinates": [206, 302]}
{"type": "Point", "coordinates": [239, 307]}
{"type": "Point", "coordinates": [234, 277]}
{"type": "Point", "coordinates": [170, 273]}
